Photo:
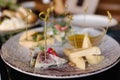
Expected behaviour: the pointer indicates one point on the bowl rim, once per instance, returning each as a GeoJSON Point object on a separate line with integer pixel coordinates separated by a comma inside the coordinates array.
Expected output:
{"type": "Point", "coordinates": [103, 30]}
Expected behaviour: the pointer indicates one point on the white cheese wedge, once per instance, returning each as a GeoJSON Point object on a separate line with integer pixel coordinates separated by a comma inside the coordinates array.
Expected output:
{"type": "Point", "coordinates": [79, 62]}
{"type": "Point", "coordinates": [94, 59]}
{"type": "Point", "coordinates": [68, 51]}
{"type": "Point", "coordinates": [91, 59]}
{"type": "Point", "coordinates": [86, 52]}
{"type": "Point", "coordinates": [86, 42]}
{"type": "Point", "coordinates": [92, 54]}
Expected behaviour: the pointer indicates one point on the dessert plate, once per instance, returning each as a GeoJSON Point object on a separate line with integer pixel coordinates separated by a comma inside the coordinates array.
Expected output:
{"type": "Point", "coordinates": [18, 58]}
{"type": "Point", "coordinates": [92, 21]}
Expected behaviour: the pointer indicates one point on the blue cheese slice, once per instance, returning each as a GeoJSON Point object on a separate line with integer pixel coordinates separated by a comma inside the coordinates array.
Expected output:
{"type": "Point", "coordinates": [51, 61]}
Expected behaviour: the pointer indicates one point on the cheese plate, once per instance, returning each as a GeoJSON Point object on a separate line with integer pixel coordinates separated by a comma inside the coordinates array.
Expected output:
{"type": "Point", "coordinates": [18, 57]}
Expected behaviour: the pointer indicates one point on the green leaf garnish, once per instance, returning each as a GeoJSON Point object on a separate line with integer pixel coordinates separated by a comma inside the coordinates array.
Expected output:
{"type": "Point", "coordinates": [41, 48]}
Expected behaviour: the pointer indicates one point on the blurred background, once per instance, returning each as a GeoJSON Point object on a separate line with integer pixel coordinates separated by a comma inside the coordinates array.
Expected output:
{"type": "Point", "coordinates": [74, 6]}
{"type": "Point", "coordinates": [10, 9]}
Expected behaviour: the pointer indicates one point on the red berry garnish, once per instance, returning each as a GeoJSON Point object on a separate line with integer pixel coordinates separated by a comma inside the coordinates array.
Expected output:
{"type": "Point", "coordinates": [52, 51]}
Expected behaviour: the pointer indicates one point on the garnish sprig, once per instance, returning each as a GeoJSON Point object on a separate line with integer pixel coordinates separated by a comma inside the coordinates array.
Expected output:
{"type": "Point", "coordinates": [70, 18]}
{"type": "Point", "coordinates": [110, 19]}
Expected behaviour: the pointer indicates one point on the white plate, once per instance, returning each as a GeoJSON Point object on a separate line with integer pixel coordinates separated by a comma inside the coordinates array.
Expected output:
{"type": "Point", "coordinates": [28, 4]}
{"type": "Point", "coordinates": [2, 32]}
{"type": "Point", "coordinates": [93, 21]}
{"type": "Point", "coordinates": [18, 57]}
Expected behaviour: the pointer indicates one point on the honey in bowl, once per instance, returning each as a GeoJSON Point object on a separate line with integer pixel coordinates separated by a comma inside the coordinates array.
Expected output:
{"type": "Point", "coordinates": [76, 38]}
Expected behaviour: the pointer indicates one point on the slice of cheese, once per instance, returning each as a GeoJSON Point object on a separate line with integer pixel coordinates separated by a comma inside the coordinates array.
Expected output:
{"type": "Point", "coordinates": [86, 52]}
{"type": "Point", "coordinates": [86, 42]}
{"type": "Point", "coordinates": [68, 51]}
{"type": "Point", "coordinates": [58, 38]}
{"type": "Point", "coordinates": [52, 60]}
{"type": "Point", "coordinates": [29, 35]}
{"type": "Point", "coordinates": [37, 62]}
{"type": "Point", "coordinates": [50, 41]}
{"type": "Point", "coordinates": [79, 62]}
{"type": "Point", "coordinates": [91, 59]}
{"type": "Point", "coordinates": [30, 44]}
{"type": "Point", "coordinates": [94, 59]}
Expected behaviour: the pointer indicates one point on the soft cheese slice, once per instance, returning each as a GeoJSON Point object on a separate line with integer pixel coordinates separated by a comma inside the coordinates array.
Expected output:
{"type": "Point", "coordinates": [86, 42]}
{"type": "Point", "coordinates": [94, 59]}
{"type": "Point", "coordinates": [86, 52]}
{"type": "Point", "coordinates": [79, 62]}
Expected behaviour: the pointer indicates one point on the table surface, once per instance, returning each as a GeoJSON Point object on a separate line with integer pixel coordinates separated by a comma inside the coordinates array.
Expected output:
{"type": "Point", "coordinates": [8, 73]}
